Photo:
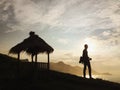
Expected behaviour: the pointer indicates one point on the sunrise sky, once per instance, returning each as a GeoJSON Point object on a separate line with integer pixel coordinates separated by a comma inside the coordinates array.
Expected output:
{"type": "Point", "coordinates": [66, 25]}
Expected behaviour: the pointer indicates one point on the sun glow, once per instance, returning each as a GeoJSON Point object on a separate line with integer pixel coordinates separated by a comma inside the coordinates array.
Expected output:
{"type": "Point", "coordinates": [91, 44]}
{"type": "Point", "coordinates": [93, 76]}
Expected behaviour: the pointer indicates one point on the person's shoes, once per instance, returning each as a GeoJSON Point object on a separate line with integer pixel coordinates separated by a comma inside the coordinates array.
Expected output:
{"type": "Point", "coordinates": [91, 78]}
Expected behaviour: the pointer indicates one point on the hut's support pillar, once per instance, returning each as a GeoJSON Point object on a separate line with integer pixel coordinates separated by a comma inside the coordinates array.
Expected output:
{"type": "Point", "coordinates": [32, 57]}
{"type": "Point", "coordinates": [48, 66]}
{"type": "Point", "coordinates": [19, 56]}
{"type": "Point", "coordinates": [36, 64]}
{"type": "Point", "coordinates": [36, 58]}
{"type": "Point", "coordinates": [18, 65]}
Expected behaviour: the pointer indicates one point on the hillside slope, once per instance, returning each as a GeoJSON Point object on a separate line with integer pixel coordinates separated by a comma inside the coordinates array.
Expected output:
{"type": "Point", "coordinates": [29, 79]}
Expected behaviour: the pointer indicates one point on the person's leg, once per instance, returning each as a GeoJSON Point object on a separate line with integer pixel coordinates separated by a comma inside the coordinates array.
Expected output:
{"type": "Point", "coordinates": [89, 69]}
{"type": "Point", "coordinates": [84, 70]}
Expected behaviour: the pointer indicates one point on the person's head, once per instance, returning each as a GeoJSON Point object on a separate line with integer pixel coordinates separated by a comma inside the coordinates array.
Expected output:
{"type": "Point", "coordinates": [86, 46]}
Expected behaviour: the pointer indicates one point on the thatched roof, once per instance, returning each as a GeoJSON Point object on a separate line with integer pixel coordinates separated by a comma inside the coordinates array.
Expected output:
{"type": "Point", "coordinates": [32, 45]}
{"type": "Point", "coordinates": [17, 49]}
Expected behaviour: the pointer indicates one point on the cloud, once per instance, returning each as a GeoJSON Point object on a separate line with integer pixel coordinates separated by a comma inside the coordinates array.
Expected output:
{"type": "Point", "coordinates": [76, 18]}
{"type": "Point", "coordinates": [7, 15]}
{"type": "Point", "coordinates": [63, 41]}
{"type": "Point", "coordinates": [67, 15]}
{"type": "Point", "coordinates": [106, 33]}
{"type": "Point", "coordinates": [32, 12]}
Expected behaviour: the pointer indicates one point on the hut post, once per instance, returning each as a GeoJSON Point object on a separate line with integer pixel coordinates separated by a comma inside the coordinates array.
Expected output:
{"type": "Point", "coordinates": [48, 66]}
{"type": "Point", "coordinates": [32, 57]}
{"type": "Point", "coordinates": [36, 58]}
{"type": "Point", "coordinates": [18, 65]}
{"type": "Point", "coordinates": [19, 56]}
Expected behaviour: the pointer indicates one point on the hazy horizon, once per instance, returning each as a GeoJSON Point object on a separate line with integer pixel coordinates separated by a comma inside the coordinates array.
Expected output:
{"type": "Point", "coordinates": [66, 26]}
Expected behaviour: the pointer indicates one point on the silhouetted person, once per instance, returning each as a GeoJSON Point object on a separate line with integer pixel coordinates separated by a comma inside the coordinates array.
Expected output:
{"type": "Point", "coordinates": [86, 61]}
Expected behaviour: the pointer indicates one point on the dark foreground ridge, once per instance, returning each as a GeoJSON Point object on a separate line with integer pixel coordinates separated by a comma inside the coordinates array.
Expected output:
{"type": "Point", "coordinates": [27, 78]}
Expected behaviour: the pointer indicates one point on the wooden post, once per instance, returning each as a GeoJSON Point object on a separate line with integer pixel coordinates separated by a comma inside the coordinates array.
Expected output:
{"type": "Point", "coordinates": [48, 66]}
{"type": "Point", "coordinates": [18, 66]}
{"type": "Point", "coordinates": [36, 64]}
{"type": "Point", "coordinates": [32, 57]}
{"type": "Point", "coordinates": [36, 58]}
{"type": "Point", "coordinates": [19, 56]}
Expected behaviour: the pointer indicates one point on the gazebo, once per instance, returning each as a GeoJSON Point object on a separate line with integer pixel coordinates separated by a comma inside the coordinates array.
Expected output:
{"type": "Point", "coordinates": [33, 45]}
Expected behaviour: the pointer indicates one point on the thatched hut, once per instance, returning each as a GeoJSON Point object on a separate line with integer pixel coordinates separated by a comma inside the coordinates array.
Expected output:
{"type": "Point", "coordinates": [33, 45]}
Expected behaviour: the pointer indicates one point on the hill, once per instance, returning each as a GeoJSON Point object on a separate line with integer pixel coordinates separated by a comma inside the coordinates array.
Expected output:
{"type": "Point", "coordinates": [76, 70]}
{"type": "Point", "coordinates": [29, 79]}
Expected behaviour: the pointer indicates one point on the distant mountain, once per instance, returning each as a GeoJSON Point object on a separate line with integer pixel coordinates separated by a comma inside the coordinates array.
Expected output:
{"type": "Point", "coordinates": [76, 70]}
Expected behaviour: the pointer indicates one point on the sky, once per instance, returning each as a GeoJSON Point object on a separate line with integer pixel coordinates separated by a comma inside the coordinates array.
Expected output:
{"type": "Point", "coordinates": [66, 25]}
